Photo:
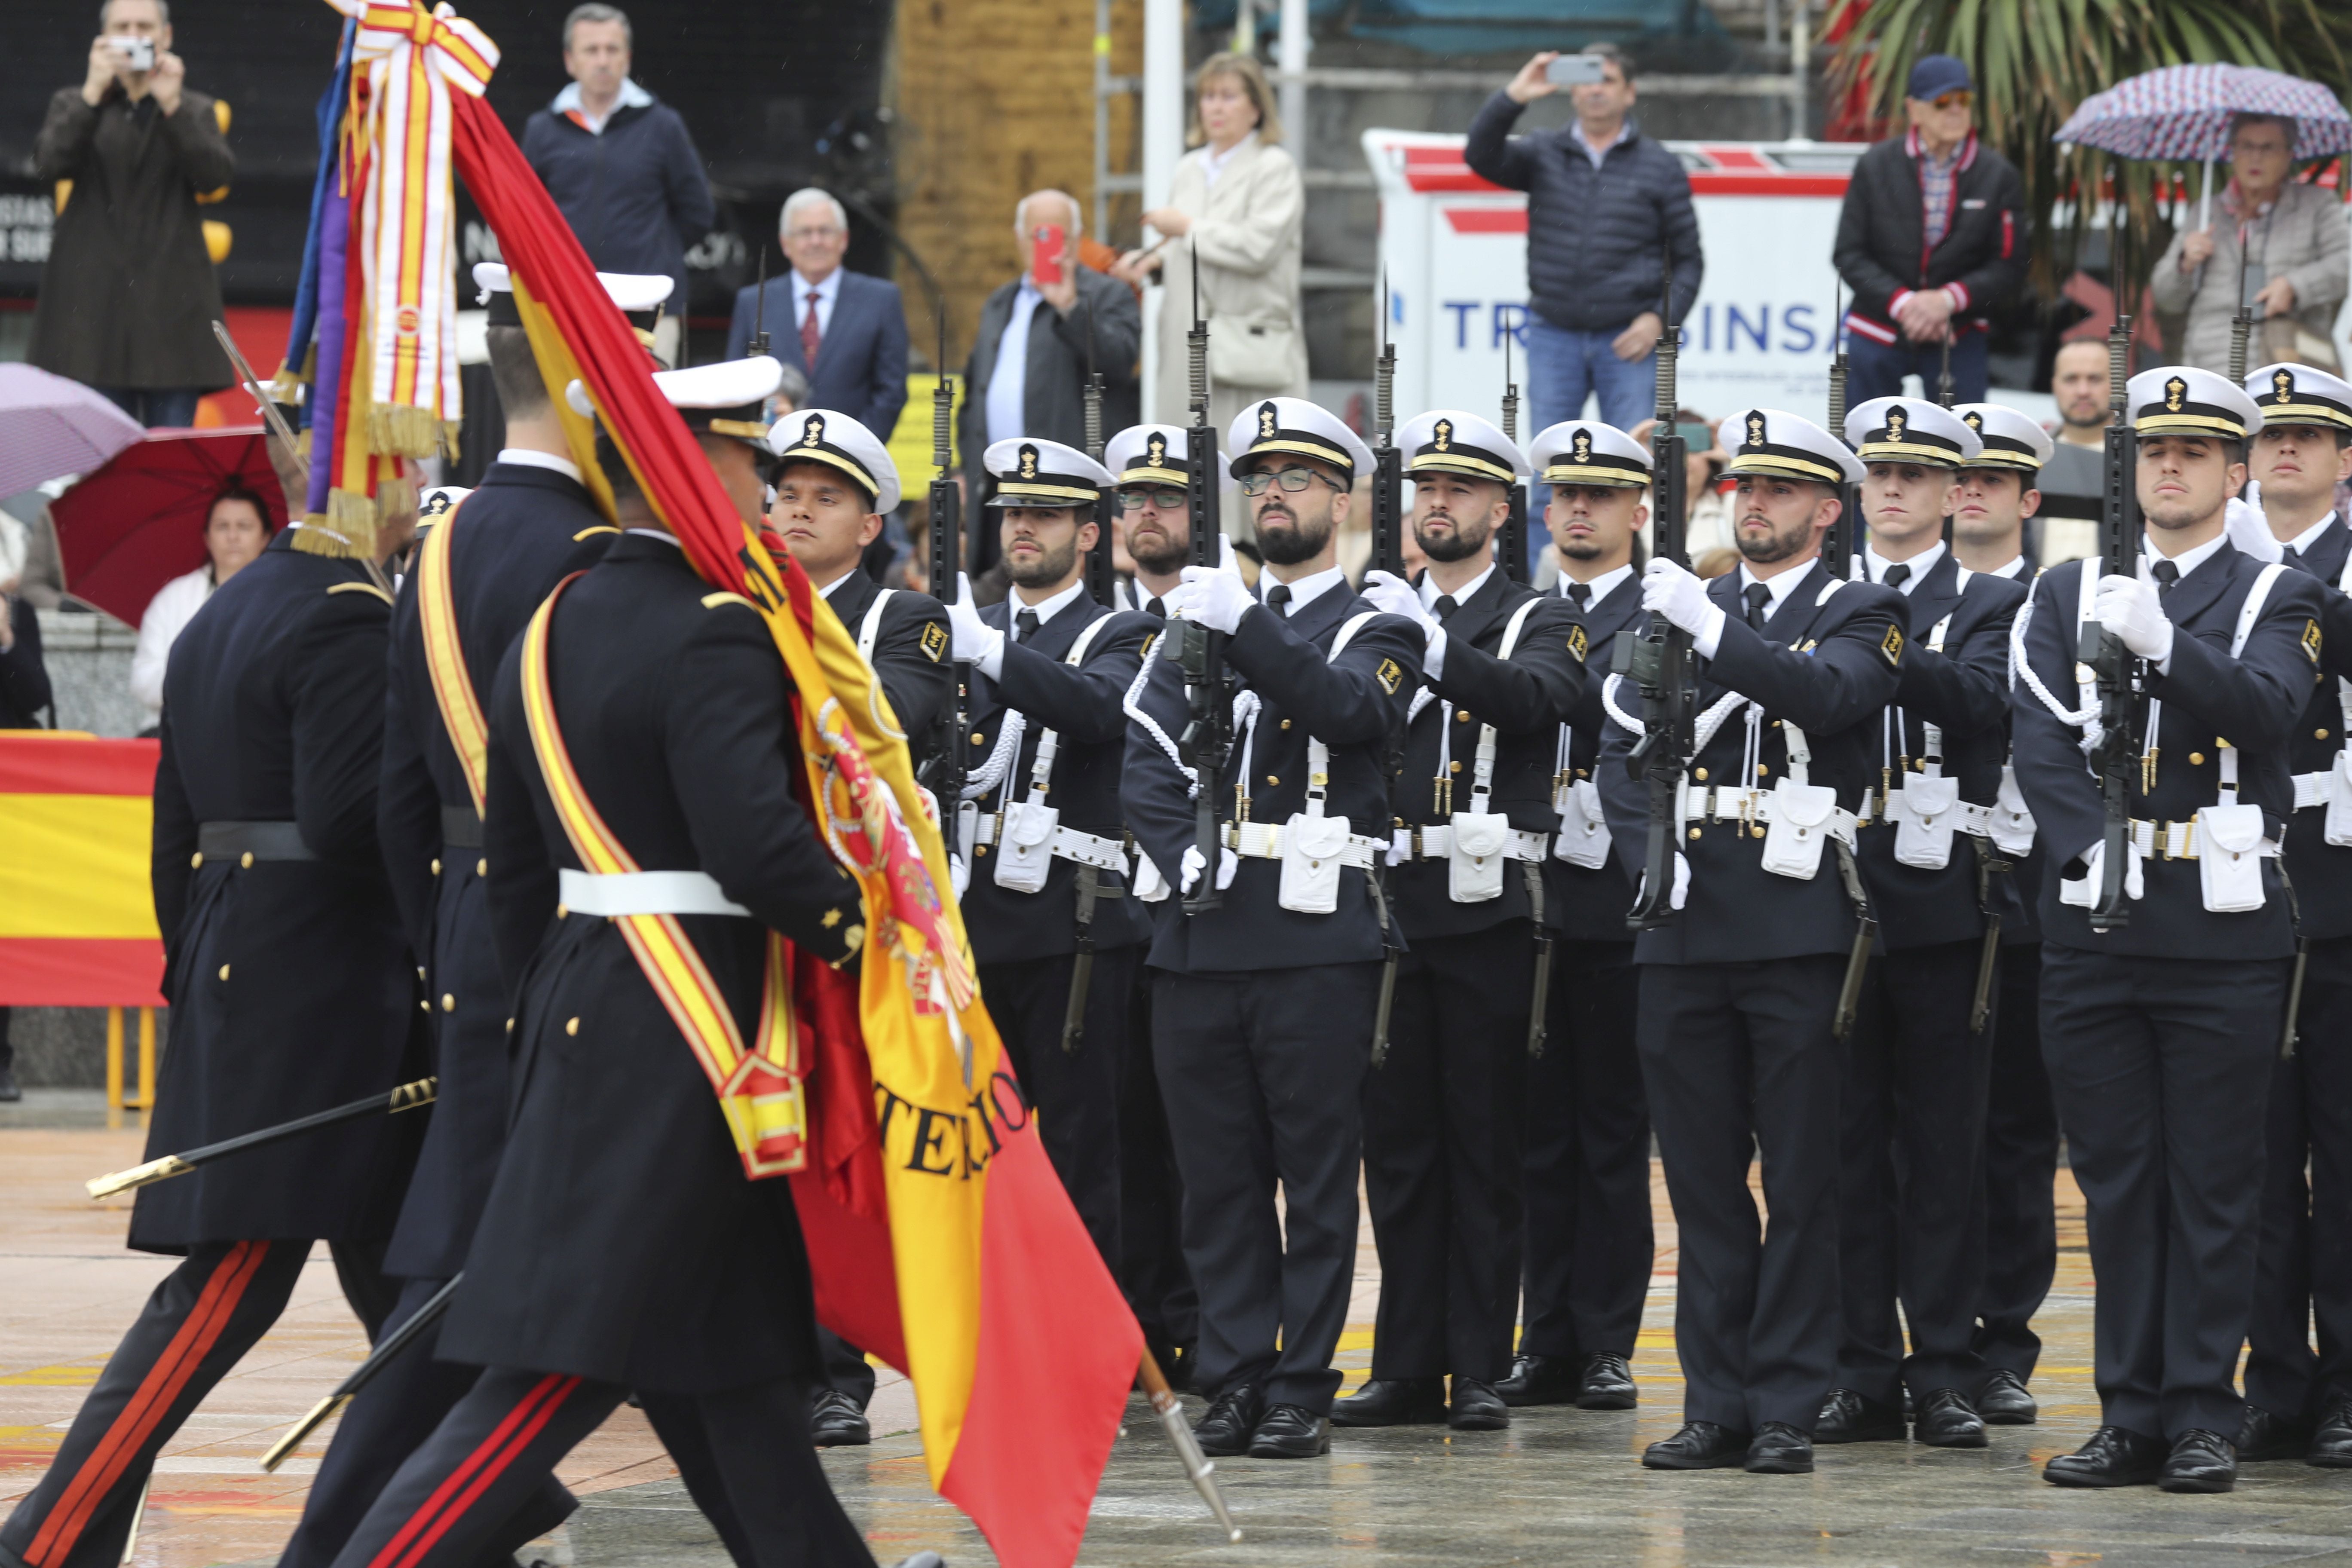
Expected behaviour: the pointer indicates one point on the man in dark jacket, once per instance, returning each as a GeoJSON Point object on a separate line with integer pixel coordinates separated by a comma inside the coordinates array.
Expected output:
{"type": "Point", "coordinates": [620, 163]}
{"type": "Point", "coordinates": [1932, 238]}
{"type": "Point", "coordinates": [845, 332]}
{"type": "Point", "coordinates": [1603, 201]}
{"type": "Point", "coordinates": [128, 299]}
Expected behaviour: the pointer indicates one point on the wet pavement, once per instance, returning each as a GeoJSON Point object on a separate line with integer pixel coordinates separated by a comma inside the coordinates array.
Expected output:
{"type": "Point", "coordinates": [1561, 1485]}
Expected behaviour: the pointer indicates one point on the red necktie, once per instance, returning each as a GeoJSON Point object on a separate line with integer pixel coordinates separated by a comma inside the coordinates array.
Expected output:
{"type": "Point", "coordinates": [810, 336]}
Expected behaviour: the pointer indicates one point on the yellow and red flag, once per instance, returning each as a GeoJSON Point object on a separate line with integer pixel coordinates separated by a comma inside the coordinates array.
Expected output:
{"type": "Point", "coordinates": [77, 907]}
{"type": "Point", "coordinates": [939, 1236]}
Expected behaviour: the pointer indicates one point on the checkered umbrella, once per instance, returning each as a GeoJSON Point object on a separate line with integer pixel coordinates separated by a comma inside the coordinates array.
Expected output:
{"type": "Point", "coordinates": [2184, 111]}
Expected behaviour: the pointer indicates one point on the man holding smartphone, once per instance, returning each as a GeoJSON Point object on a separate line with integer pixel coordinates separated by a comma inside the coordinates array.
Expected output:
{"type": "Point", "coordinates": [128, 299]}
{"type": "Point", "coordinates": [1606, 205]}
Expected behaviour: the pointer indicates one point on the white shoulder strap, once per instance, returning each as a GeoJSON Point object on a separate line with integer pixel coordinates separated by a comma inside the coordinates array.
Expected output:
{"type": "Point", "coordinates": [1318, 755]}
{"type": "Point", "coordinates": [1049, 743]}
{"type": "Point", "coordinates": [871, 626]}
{"type": "Point", "coordinates": [1831, 587]}
{"type": "Point", "coordinates": [2252, 610]}
{"type": "Point", "coordinates": [1482, 774]}
{"type": "Point", "coordinates": [1347, 632]}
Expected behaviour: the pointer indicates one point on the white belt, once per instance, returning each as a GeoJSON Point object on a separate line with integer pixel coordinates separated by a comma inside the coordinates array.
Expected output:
{"type": "Point", "coordinates": [1070, 844]}
{"type": "Point", "coordinates": [1967, 815]}
{"type": "Point", "coordinates": [2178, 840]}
{"type": "Point", "coordinates": [1435, 842]}
{"type": "Point", "coordinates": [644, 893]}
{"type": "Point", "coordinates": [1726, 804]}
{"type": "Point", "coordinates": [1263, 841]}
{"type": "Point", "coordinates": [2311, 789]}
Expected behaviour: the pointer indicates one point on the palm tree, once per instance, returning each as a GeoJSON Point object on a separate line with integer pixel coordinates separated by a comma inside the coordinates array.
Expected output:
{"type": "Point", "coordinates": [2035, 60]}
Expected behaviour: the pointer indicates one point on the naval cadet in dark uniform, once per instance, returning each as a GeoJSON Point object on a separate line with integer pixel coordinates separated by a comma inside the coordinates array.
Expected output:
{"type": "Point", "coordinates": [1263, 1008]}
{"type": "Point", "coordinates": [2159, 1035]}
{"type": "Point", "coordinates": [1911, 1221]}
{"type": "Point", "coordinates": [1998, 491]}
{"type": "Point", "coordinates": [525, 527]}
{"type": "Point", "coordinates": [292, 991]}
{"type": "Point", "coordinates": [1153, 475]}
{"type": "Point", "coordinates": [2298, 1404]}
{"type": "Point", "coordinates": [1740, 985]}
{"type": "Point", "coordinates": [622, 1246]}
{"type": "Point", "coordinates": [1040, 818]}
{"type": "Point", "coordinates": [1471, 806]}
{"type": "Point", "coordinates": [831, 483]}
{"type": "Point", "coordinates": [1590, 1242]}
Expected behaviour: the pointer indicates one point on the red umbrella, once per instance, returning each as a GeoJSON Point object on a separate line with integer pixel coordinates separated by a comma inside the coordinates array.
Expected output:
{"type": "Point", "coordinates": [138, 521]}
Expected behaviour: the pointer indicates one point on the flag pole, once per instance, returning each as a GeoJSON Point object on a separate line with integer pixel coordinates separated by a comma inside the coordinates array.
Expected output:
{"type": "Point", "coordinates": [1197, 1464]}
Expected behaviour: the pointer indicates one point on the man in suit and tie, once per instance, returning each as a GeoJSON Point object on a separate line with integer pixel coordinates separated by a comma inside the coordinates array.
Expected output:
{"type": "Point", "coordinates": [1038, 336]}
{"type": "Point", "coordinates": [844, 331]}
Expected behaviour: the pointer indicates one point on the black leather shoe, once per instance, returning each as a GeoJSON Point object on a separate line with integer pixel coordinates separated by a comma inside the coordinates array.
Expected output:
{"type": "Point", "coordinates": [1607, 1384]}
{"type": "Point", "coordinates": [1392, 1402]}
{"type": "Point", "coordinates": [1291, 1432]}
{"type": "Point", "coordinates": [2263, 1437]}
{"type": "Point", "coordinates": [2113, 1458]}
{"type": "Point", "coordinates": [2003, 1401]}
{"type": "Point", "coordinates": [1232, 1416]}
{"type": "Point", "coordinates": [1477, 1407]}
{"type": "Point", "coordinates": [2201, 1461]}
{"type": "Point", "coordinates": [1947, 1421]}
{"type": "Point", "coordinates": [836, 1422]}
{"type": "Point", "coordinates": [1847, 1418]}
{"type": "Point", "coordinates": [1539, 1380]}
{"type": "Point", "coordinates": [1699, 1445]}
{"type": "Point", "coordinates": [1780, 1449]}
{"type": "Point", "coordinates": [2331, 1445]}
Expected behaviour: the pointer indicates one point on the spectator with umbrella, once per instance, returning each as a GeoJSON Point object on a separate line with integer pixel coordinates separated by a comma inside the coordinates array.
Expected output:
{"type": "Point", "coordinates": [236, 527]}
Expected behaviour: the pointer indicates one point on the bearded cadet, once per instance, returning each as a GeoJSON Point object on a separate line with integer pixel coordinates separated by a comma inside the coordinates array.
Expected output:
{"type": "Point", "coordinates": [1155, 519]}
{"type": "Point", "coordinates": [1911, 1222]}
{"type": "Point", "coordinates": [1057, 938]}
{"type": "Point", "coordinates": [1996, 493]}
{"type": "Point", "coordinates": [2159, 1031]}
{"type": "Point", "coordinates": [2299, 1403]}
{"type": "Point", "coordinates": [1590, 1243]}
{"type": "Point", "coordinates": [1267, 1000]}
{"type": "Point", "coordinates": [1501, 667]}
{"type": "Point", "coordinates": [1741, 983]}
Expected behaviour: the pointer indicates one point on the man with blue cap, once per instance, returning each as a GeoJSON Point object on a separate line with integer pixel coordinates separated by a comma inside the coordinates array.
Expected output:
{"type": "Point", "coordinates": [1932, 238]}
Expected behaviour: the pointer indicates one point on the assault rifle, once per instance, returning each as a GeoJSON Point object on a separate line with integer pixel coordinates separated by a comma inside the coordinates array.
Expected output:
{"type": "Point", "coordinates": [1208, 739]}
{"type": "Point", "coordinates": [1657, 659]}
{"type": "Point", "coordinates": [2117, 672]}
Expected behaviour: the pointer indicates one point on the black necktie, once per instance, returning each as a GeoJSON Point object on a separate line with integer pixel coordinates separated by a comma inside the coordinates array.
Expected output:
{"type": "Point", "coordinates": [2167, 573]}
{"type": "Point", "coordinates": [1445, 607]}
{"type": "Point", "coordinates": [1157, 609]}
{"type": "Point", "coordinates": [1277, 599]}
{"type": "Point", "coordinates": [1579, 594]}
{"type": "Point", "coordinates": [1025, 625]}
{"type": "Point", "coordinates": [1758, 594]}
{"type": "Point", "coordinates": [1897, 574]}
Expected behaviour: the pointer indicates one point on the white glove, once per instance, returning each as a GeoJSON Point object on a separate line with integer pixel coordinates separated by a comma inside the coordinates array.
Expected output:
{"type": "Point", "coordinates": [976, 642]}
{"type": "Point", "coordinates": [2131, 609]}
{"type": "Point", "coordinates": [1227, 864]}
{"type": "Point", "coordinates": [1393, 595]}
{"type": "Point", "coordinates": [2083, 894]}
{"type": "Point", "coordinates": [1212, 596]}
{"type": "Point", "coordinates": [1680, 893]}
{"type": "Point", "coordinates": [1673, 592]}
{"type": "Point", "coordinates": [2248, 530]}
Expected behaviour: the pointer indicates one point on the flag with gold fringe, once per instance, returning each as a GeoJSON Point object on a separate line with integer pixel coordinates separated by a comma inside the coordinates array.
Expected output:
{"type": "Point", "coordinates": [937, 1232]}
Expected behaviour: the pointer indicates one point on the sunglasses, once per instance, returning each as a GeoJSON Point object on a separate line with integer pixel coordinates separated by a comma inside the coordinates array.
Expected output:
{"type": "Point", "coordinates": [1960, 100]}
{"type": "Point", "coordinates": [1291, 479]}
{"type": "Point", "coordinates": [1166, 501]}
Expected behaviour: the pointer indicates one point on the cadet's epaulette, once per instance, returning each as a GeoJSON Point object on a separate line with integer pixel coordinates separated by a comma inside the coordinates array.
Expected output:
{"type": "Point", "coordinates": [360, 588]}
{"type": "Point", "coordinates": [713, 600]}
{"type": "Point", "coordinates": [590, 532]}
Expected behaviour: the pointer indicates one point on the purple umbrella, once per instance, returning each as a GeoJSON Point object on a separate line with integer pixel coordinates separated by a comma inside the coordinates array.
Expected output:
{"type": "Point", "coordinates": [50, 427]}
{"type": "Point", "coordinates": [2184, 112]}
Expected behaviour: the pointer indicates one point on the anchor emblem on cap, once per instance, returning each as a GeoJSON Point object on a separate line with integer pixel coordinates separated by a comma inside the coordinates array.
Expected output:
{"type": "Point", "coordinates": [1583, 453]}
{"type": "Point", "coordinates": [1028, 462]}
{"type": "Point", "coordinates": [1265, 424]}
{"type": "Point", "coordinates": [1155, 451]}
{"type": "Point", "coordinates": [1895, 419]}
{"type": "Point", "coordinates": [1974, 422]}
{"type": "Point", "coordinates": [2283, 383]}
{"type": "Point", "coordinates": [2175, 392]}
{"type": "Point", "coordinates": [1444, 430]}
{"type": "Point", "coordinates": [813, 432]}
{"type": "Point", "coordinates": [1756, 428]}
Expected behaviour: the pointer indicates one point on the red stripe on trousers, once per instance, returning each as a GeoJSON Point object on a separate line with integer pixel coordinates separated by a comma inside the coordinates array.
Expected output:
{"type": "Point", "coordinates": [530, 1413]}
{"type": "Point", "coordinates": [216, 1306]}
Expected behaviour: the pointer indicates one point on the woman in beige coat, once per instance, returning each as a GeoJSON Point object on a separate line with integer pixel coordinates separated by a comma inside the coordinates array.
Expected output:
{"type": "Point", "coordinates": [1237, 202]}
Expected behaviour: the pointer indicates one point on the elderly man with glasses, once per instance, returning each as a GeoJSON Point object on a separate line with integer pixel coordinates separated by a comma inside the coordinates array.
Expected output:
{"type": "Point", "coordinates": [846, 332]}
{"type": "Point", "coordinates": [1932, 240]}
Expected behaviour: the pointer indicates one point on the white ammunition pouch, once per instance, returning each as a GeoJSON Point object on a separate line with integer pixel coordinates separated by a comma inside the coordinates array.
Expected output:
{"type": "Point", "coordinates": [1583, 837]}
{"type": "Point", "coordinates": [1028, 834]}
{"type": "Point", "coordinates": [2230, 854]}
{"type": "Point", "coordinates": [2010, 825]}
{"type": "Point", "coordinates": [1803, 815]}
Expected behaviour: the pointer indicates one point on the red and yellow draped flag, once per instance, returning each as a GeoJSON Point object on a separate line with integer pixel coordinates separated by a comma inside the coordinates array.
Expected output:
{"type": "Point", "coordinates": [938, 1234]}
{"type": "Point", "coordinates": [77, 905]}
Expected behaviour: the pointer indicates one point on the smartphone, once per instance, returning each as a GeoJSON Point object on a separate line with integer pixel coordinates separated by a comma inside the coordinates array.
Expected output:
{"type": "Point", "coordinates": [1695, 437]}
{"type": "Point", "coordinates": [1576, 70]}
{"type": "Point", "coordinates": [1048, 268]}
{"type": "Point", "coordinates": [138, 54]}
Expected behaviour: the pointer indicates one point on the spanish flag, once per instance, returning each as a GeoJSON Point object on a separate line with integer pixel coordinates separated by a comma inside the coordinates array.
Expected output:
{"type": "Point", "coordinates": [76, 908]}
{"type": "Point", "coordinates": [939, 1236]}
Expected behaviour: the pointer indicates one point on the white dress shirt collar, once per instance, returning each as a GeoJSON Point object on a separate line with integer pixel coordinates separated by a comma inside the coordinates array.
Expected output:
{"type": "Point", "coordinates": [1602, 585]}
{"type": "Point", "coordinates": [524, 458]}
{"type": "Point", "coordinates": [2015, 569]}
{"type": "Point", "coordinates": [1431, 593]}
{"type": "Point", "coordinates": [1305, 590]}
{"type": "Point", "coordinates": [2187, 560]}
{"type": "Point", "coordinates": [2303, 542]}
{"type": "Point", "coordinates": [1047, 609]}
{"type": "Point", "coordinates": [1781, 586]}
{"type": "Point", "coordinates": [1920, 565]}
{"type": "Point", "coordinates": [826, 591]}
